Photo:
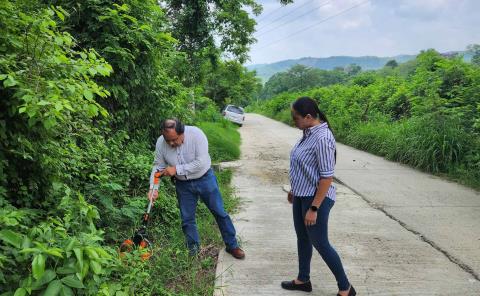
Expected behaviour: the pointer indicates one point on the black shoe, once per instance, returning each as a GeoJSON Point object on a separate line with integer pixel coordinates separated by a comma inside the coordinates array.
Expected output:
{"type": "Point", "coordinates": [290, 285]}
{"type": "Point", "coordinates": [352, 292]}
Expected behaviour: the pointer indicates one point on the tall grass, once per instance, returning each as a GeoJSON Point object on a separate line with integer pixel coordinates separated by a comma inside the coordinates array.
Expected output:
{"type": "Point", "coordinates": [223, 140]}
{"type": "Point", "coordinates": [431, 144]}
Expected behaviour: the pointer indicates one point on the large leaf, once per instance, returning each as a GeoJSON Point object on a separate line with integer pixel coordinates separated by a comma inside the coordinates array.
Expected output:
{"type": "Point", "coordinates": [86, 267]}
{"type": "Point", "coordinates": [30, 250]}
{"type": "Point", "coordinates": [53, 288]}
{"type": "Point", "coordinates": [46, 278]}
{"type": "Point", "coordinates": [92, 254]}
{"type": "Point", "coordinates": [73, 281]}
{"type": "Point", "coordinates": [66, 270]}
{"type": "Point", "coordinates": [70, 245]}
{"type": "Point", "coordinates": [87, 94]}
{"type": "Point", "coordinates": [38, 266]}
{"type": "Point", "coordinates": [10, 81]}
{"type": "Point", "coordinates": [20, 292]}
{"type": "Point", "coordinates": [79, 254]}
{"type": "Point", "coordinates": [11, 237]}
{"type": "Point", "coordinates": [57, 252]}
{"type": "Point", "coordinates": [66, 291]}
{"type": "Point", "coordinates": [96, 267]}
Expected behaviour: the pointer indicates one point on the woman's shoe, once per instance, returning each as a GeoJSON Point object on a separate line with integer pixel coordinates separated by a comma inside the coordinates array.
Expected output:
{"type": "Point", "coordinates": [352, 292]}
{"type": "Point", "coordinates": [290, 285]}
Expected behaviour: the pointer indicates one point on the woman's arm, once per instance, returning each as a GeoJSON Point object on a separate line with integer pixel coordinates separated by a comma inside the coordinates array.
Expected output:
{"type": "Point", "coordinates": [325, 154]}
{"type": "Point", "coordinates": [322, 190]}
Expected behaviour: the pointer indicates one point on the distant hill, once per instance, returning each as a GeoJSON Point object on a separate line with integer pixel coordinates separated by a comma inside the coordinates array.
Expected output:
{"type": "Point", "coordinates": [265, 71]}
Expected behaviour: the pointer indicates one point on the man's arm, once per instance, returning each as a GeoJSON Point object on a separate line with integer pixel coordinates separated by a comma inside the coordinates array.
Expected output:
{"type": "Point", "coordinates": [201, 156]}
{"type": "Point", "coordinates": [159, 161]}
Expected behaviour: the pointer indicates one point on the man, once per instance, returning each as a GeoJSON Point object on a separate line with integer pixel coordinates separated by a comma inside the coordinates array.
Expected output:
{"type": "Point", "coordinates": [182, 152]}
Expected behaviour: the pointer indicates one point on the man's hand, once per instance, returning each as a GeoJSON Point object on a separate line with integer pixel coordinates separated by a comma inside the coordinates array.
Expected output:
{"type": "Point", "coordinates": [290, 197]}
{"type": "Point", "coordinates": [169, 171]}
{"type": "Point", "coordinates": [310, 218]}
{"type": "Point", "coordinates": [152, 195]}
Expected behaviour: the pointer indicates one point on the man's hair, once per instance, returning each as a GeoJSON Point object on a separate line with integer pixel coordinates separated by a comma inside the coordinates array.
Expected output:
{"type": "Point", "coordinates": [173, 123]}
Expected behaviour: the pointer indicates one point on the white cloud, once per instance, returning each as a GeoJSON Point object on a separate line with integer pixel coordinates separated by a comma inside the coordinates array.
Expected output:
{"type": "Point", "coordinates": [379, 27]}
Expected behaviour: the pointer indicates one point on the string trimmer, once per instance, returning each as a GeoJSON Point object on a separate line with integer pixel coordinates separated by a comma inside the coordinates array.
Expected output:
{"type": "Point", "coordinates": [139, 239]}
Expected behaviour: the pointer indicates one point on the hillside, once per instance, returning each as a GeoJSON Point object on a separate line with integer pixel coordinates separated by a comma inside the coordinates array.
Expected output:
{"type": "Point", "coordinates": [265, 71]}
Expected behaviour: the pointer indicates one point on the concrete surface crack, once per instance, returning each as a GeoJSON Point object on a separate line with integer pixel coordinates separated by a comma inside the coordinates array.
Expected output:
{"type": "Point", "coordinates": [449, 256]}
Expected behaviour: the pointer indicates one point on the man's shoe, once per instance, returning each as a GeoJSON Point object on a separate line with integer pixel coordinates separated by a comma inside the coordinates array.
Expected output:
{"type": "Point", "coordinates": [193, 250]}
{"type": "Point", "coordinates": [290, 285]}
{"type": "Point", "coordinates": [236, 253]}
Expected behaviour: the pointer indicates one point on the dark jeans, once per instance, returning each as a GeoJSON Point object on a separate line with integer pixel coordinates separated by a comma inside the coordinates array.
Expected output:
{"type": "Point", "coordinates": [316, 235]}
{"type": "Point", "coordinates": [206, 188]}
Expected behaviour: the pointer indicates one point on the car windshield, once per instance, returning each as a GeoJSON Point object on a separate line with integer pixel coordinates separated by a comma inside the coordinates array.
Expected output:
{"type": "Point", "coordinates": [235, 109]}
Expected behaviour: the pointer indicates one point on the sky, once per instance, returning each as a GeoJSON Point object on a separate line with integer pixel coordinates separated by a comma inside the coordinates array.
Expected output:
{"type": "Point", "coordinates": [323, 28]}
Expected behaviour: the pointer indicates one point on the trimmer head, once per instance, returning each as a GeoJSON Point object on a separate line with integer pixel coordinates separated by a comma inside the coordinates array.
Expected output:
{"type": "Point", "coordinates": [139, 239]}
{"type": "Point", "coordinates": [139, 242]}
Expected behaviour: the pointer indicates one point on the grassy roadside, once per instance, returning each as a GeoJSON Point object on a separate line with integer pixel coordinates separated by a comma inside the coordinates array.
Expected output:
{"type": "Point", "coordinates": [223, 140]}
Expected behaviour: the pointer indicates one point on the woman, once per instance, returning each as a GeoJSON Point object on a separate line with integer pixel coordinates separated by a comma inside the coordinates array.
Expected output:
{"type": "Point", "coordinates": [312, 162]}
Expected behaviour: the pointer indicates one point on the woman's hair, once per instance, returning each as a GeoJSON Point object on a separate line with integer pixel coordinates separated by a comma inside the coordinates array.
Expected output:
{"type": "Point", "coordinates": [306, 105]}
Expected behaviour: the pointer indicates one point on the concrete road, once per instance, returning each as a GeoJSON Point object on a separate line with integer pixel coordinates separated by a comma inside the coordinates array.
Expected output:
{"type": "Point", "coordinates": [398, 231]}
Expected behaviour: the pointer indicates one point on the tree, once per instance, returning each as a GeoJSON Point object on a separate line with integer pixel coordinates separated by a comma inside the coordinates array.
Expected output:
{"type": "Point", "coordinates": [391, 64]}
{"type": "Point", "coordinates": [198, 24]}
{"type": "Point", "coordinates": [300, 77]}
{"type": "Point", "coordinates": [230, 82]}
{"type": "Point", "coordinates": [133, 38]}
{"type": "Point", "coordinates": [353, 69]}
{"type": "Point", "coordinates": [276, 84]}
{"type": "Point", "coordinates": [474, 49]}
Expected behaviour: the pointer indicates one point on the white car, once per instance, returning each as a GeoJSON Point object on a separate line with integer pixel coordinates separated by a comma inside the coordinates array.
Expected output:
{"type": "Point", "coordinates": [234, 114]}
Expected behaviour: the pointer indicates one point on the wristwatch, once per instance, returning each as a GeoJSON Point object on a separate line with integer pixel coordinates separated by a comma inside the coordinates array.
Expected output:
{"type": "Point", "coordinates": [313, 208]}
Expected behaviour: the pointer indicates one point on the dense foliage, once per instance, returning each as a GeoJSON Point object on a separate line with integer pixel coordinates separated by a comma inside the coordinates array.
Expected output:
{"type": "Point", "coordinates": [231, 83]}
{"type": "Point", "coordinates": [201, 25]}
{"type": "Point", "coordinates": [300, 78]}
{"type": "Point", "coordinates": [84, 86]}
{"type": "Point", "coordinates": [425, 113]}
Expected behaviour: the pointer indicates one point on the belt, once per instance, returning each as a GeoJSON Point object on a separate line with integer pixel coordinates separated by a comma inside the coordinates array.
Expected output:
{"type": "Point", "coordinates": [184, 178]}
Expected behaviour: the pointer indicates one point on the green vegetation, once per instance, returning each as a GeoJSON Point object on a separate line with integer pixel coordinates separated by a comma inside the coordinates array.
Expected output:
{"type": "Point", "coordinates": [231, 83]}
{"type": "Point", "coordinates": [266, 71]}
{"type": "Point", "coordinates": [84, 86]}
{"type": "Point", "coordinates": [223, 140]}
{"type": "Point", "coordinates": [425, 113]}
{"type": "Point", "coordinates": [300, 78]}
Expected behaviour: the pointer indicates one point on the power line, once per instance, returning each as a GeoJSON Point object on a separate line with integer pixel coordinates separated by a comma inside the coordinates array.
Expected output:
{"type": "Point", "coordinates": [270, 13]}
{"type": "Point", "coordinates": [281, 25]}
{"type": "Point", "coordinates": [316, 24]}
{"type": "Point", "coordinates": [287, 14]}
